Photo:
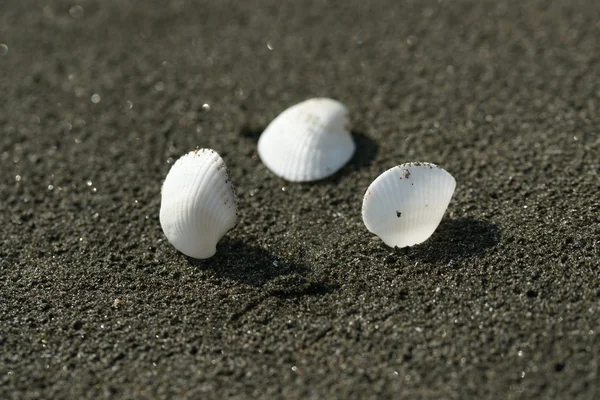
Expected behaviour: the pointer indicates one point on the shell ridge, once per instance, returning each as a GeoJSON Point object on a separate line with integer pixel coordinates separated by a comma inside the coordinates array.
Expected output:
{"type": "Point", "coordinates": [205, 205]}
{"type": "Point", "coordinates": [196, 193]}
{"type": "Point", "coordinates": [292, 163]}
{"type": "Point", "coordinates": [301, 156]}
{"type": "Point", "coordinates": [184, 189]}
{"type": "Point", "coordinates": [394, 203]}
{"type": "Point", "coordinates": [310, 152]}
{"type": "Point", "coordinates": [213, 200]}
{"type": "Point", "coordinates": [389, 186]}
{"type": "Point", "coordinates": [218, 187]}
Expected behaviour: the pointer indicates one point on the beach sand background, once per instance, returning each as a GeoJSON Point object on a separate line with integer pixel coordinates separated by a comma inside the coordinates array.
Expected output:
{"type": "Point", "coordinates": [98, 98]}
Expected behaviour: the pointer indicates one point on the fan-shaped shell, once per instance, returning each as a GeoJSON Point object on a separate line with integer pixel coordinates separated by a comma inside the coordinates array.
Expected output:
{"type": "Point", "coordinates": [308, 141]}
{"type": "Point", "coordinates": [405, 204]}
{"type": "Point", "coordinates": [198, 205]}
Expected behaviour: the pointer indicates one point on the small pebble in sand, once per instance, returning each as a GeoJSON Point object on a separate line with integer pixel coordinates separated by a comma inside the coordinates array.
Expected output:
{"type": "Point", "coordinates": [76, 11]}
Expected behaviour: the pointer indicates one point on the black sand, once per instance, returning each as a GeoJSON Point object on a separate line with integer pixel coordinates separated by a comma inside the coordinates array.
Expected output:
{"type": "Point", "coordinates": [300, 301]}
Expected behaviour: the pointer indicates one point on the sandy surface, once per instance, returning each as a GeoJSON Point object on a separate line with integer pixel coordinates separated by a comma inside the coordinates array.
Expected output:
{"type": "Point", "coordinates": [300, 301]}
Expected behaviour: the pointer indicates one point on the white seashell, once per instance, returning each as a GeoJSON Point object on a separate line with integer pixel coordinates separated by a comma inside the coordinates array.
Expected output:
{"type": "Point", "coordinates": [308, 141]}
{"type": "Point", "coordinates": [198, 205]}
{"type": "Point", "coordinates": [405, 204]}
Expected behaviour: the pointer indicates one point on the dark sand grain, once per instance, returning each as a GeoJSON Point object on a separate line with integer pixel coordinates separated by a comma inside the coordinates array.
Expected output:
{"type": "Point", "coordinates": [300, 301]}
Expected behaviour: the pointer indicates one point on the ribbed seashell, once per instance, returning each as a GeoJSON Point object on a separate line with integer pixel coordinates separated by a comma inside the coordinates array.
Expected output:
{"type": "Point", "coordinates": [198, 205]}
{"type": "Point", "coordinates": [308, 141]}
{"type": "Point", "coordinates": [405, 204]}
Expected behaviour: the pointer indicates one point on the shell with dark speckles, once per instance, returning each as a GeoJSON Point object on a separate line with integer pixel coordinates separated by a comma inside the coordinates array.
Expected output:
{"type": "Point", "coordinates": [405, 204]}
